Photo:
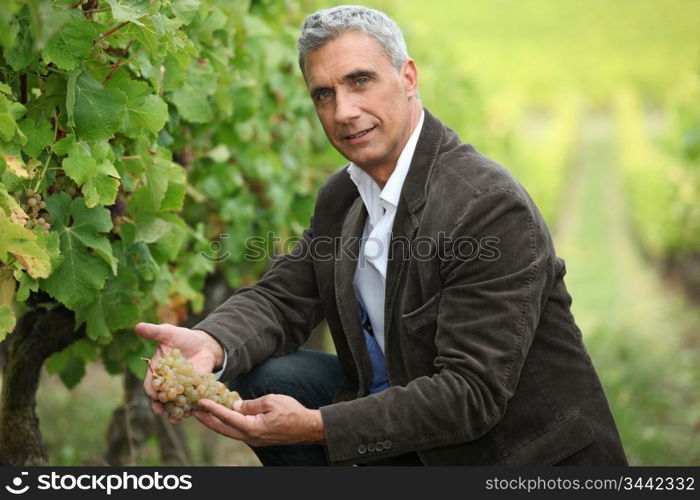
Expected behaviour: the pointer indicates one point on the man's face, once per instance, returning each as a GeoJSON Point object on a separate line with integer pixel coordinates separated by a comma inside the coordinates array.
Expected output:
{"type": "Point", "coordinates": [366, 107]}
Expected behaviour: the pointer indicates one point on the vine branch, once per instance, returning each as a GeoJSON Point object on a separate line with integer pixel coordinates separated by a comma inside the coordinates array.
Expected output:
{"type": "Point", "coordinates": [115, 29]}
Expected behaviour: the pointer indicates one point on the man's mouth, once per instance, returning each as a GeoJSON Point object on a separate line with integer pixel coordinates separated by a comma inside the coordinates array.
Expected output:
{"type": "Point", "coordinates": [360, 134]}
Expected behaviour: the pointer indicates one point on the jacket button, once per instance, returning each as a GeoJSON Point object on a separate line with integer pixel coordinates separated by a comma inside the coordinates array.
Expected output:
{"type": "Point", "coordinates": [371, 448]}
{"type": "Point", "coordinates": [380, 446]}
{"type": "Point", "coordinates": [387, 444]}
{"type": "Point", "coordinates": [362, 449]}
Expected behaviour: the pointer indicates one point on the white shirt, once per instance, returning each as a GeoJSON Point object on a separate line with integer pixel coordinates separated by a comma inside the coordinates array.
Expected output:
{"type": "Point", "coordinates": [381, 204]}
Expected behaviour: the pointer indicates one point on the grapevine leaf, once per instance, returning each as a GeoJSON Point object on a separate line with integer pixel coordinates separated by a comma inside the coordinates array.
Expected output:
{"type": "Point", "coordinates": [98, 112]}
{"type": "Point", "coordinates": [167, 248]}
{"type": "Point", "coordinates": [73, 372]}
{"type": "Point", "coordinates": [185, 9]}
{"type": "Point", "coordinates": [7, 127]}
{"type": "Point", "coordinates": [71, 44]}
{"type": "Point", "coordinates": [114, 308]}
{"type": "Point", "coordinates": [87, 224]}
{"type": "Point", "coordinates": [79, 167]}
{"type": "Point", "coordinates": [70, 99]}
{"type": "Point", "coordinates": [175, 195]}
{"type": "Point", "coordinates": [81, 275]}
{"type": "Point", "coordinates": [7, 320]}
{"type": "Point", "coordinates": [128, 10]}
{"type": "Point", "coordinates": [21, 243]}
{"type": "Point", "coordinates": [7, 285]}
{"type": "Point", "coordinates": [39, 136]}
{"type": "Point", "coordinates": [157, 181]}
{"type": "Point", "coordinates": [145, 112]}
{"type": "Point", "coordinates": [192, 104]}
{"type": "Point", "coordinates": [98, 180]}
{"type": "Point", "coordinates": [141, 261]}
{"type": "Point", "coordinates": [22, 53]}
{"type": "Point", "coordinates": [150, 228]}
{"type": "Point", "coordinates": [16, 166]}
{"type": "Point", "coordinates": [94, 318]}
{"type": "Point", "coordinates": [57, 361]}
{"type": "Point", "coordinates": [85, 350]}
{"type": "Point", "coordinates": [26, 284]}
{"type": "Point", "coordinates": [5, 88]}
{"type": "Point", "coordinates": [46, 21]}
{"type": "Point", "coordinates": [101, 189]}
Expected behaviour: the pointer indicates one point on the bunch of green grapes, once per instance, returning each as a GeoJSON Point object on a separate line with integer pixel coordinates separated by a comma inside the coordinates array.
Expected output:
{"type": "Point", "coordinates": [33, 205]}
{"type": "Point", "coordinates": [179, 386]}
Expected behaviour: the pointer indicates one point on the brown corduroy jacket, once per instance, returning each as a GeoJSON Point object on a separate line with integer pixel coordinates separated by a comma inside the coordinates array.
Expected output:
{"type": "Point", "coordinates": [485, 361]}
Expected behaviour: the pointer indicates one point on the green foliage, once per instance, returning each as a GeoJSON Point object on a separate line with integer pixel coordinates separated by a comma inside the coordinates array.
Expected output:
{"type": "Point", "coordinates": [662, 182]}
{"type": "Point", "coordinates": [149, 128]}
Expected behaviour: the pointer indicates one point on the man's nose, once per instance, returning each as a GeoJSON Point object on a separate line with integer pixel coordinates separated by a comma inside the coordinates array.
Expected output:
{"type": "Point", "coordinates": [346, 108]}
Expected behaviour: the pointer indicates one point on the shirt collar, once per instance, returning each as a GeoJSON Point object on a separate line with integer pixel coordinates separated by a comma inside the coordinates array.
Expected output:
{"type": "Point", "coordinates": [374, 198]}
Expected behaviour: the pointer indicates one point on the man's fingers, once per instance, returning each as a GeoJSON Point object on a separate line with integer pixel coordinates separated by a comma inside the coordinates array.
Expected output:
{"type": "Point", "coordinates": [227, 416]}
{"type": "Point", "coordinates": [215, 424]}
{"type": "Point", "coordinates": [157, 408]}
{"type": "Point", "coordinates": [252, 406]}
{"type": "Point", "coordinates": [159, 333]}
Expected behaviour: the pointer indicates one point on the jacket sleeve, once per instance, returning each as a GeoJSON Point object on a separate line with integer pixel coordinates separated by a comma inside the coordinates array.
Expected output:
{"type": "Point", "coordinates": [487, 314]}
{"type": "Point", "coordinates": [272, 317]}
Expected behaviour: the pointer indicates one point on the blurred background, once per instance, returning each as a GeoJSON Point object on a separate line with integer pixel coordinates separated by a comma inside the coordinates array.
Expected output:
{"type": "Point", "coordinates": [593, 105]}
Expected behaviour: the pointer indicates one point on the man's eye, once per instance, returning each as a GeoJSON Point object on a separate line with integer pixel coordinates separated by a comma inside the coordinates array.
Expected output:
{"type": "Point", "coordinates": [363, 80]}
{"type": "Point", "coordinates": [323, 95]}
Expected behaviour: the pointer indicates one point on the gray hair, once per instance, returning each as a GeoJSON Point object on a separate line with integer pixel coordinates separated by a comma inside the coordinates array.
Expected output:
{"type": "Point", "coordinates": [326, 25]}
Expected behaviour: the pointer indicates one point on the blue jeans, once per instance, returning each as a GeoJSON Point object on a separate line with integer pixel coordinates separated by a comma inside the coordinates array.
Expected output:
{"type": "Point", "coordinates": [310, 377]}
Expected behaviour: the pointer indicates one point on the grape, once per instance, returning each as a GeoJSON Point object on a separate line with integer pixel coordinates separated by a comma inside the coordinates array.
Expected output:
{"type": "Point", "coordinates": [179, 386]}
{"type": "Point", "coordinates": [32, 206]}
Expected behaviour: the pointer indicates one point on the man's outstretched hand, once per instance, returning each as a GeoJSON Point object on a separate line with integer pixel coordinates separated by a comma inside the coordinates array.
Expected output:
{"type": "Point", "coordinates": [268, 420]}
{"type": "Point", "coordinates": [205, 352]}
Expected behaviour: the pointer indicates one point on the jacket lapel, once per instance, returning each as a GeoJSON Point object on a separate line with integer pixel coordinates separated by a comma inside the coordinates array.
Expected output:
{"type": "Point", "coordinates": [413, 195]}
{"type": "Point", "coordinates": [346, 300]}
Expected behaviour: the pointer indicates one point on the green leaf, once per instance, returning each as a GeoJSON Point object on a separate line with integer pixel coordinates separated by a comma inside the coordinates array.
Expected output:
{"type": "Point", "coordinates": [168, 246]}
{"type": "Point", "coordinates": [81, 275]}
{"type": "Point", "coordinates": [58, 361]}
{"type": "Point", "coordinates": [158, 175]}
{"type": "Point", "coordinates": [21, 55]}
{"type": "Point", "coordinates": [39, 136]}
{"type": "Point", "coordinates": [71, 44]}
{"type": "Point", "coordinates": [185, 9]}
{"type": "Point", "coordinates": [98, 112]}
{"type": "Point", "coordinates": [70, 98]}
{"type": "Point", "coordinates": [7, 127]}
{"type": "Point", "coordinates": [88, 223]}
{"type": "Point", "coordinates": [150, 228]}
{"type": "Point", "coordinates": [114, 308]}
{"type": "Point", "coordinates": [26, 284]}
{"type": "Point", "coordinates": [148, 112]}
{"type": "Point", "coordinates": [129, 10]}
{"type": "Point", "coordinates": [73, 372]}
{"type": "Point", "coordinates": [98, 181]}
{"type": "Point", "coordinates": [7, 320]}
{"type": "Point", "coordinates": [192, 104]}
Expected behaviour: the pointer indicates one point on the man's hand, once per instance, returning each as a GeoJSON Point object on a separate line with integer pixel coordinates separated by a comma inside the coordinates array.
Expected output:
{"type": "Point", "coordinates": [203, 350]}
{"type": "Point", "coordinates": [269, 420]}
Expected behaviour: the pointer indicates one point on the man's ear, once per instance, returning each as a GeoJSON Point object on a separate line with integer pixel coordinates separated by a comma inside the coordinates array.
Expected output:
{"type": "Point", "coordinates": [409, 75]}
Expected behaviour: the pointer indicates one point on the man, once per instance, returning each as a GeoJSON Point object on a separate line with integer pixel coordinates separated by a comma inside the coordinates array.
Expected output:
{"type": "Point", "coordinates": [439, 282]}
